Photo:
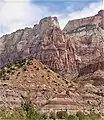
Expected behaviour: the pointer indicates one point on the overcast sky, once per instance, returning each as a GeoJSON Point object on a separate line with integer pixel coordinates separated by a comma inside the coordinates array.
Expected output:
{"type": "Point", "coordinates": [16, 14]}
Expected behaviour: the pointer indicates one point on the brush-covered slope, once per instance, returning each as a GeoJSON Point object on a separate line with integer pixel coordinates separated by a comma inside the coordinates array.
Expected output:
{"type": "Point", "coordinates": [28, 78]}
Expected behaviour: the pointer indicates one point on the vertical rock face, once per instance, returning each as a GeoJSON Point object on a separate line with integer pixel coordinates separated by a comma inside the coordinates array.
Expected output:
{"type": "Point", "coordinates": [50, 46]}
{"type": "Point", "coordinates": [67, 51]}
{"type": "Point", "coordinates": [90, 46]}
{"type": "Point", "coordinates": [79, 25]}
{"type": "Point", "coordinates": [45, 41]}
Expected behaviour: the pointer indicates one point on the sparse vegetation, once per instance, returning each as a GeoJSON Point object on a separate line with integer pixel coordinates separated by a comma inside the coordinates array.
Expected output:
{"type": "Point", "coordinates": [28, 112]}
{"type": "Point", "coordinates": [32, 114]}
{"type": "Point", "coordinates": [24, 68]}
{"type": "Point", "coordinates": [45, 67]}
{"type": "Point", "coordinates": [37, 68]}
{"type": "Point", "coordinates": [98, 82]}
{"type": "Point", "coordinates": [42, 76]}
{"type": "Point", "coordinates": [10, 68]}
{"type": "Point", "coordinates": [58, 76]}
{"type": "Point", "coordinates": [48, 71]}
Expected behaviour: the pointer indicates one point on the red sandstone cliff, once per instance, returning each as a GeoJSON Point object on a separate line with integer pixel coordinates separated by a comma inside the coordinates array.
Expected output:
{"type": "Point", "coordinates": [90, 45]}
{"type": "Point", "coordinates": [69, 52]}
{"type": "Point", "coordinates": [97, 20]}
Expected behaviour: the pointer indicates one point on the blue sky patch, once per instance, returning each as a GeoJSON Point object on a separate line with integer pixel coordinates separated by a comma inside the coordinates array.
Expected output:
{"type": "Point", "coordinates": [65, 5]}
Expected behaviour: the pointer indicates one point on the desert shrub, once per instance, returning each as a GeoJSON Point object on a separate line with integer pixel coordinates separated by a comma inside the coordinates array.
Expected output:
{"type": "Point", "coordinates": [37, 68]}
{"type": "Point", "coordinates": [24, 68]}
{"type": "Point", "coordinates": [61, 114]}
{"type": "Point", "coordinates": [7, 77]}
{"type": "Point", "coordinates": [98, 82]}
{"type": "Point", "coordinates": [79, 113]}
{"type": "Point", "coordinates": [31, 113]}
{"type": "Point", "coordinates": [11, 67]}
{"type": "Point", "coordinates": [30, 58]}
{"type": "Point", "coordinates": [48, 75]}
{"type": "Point", "coordinates": [34, 66]}
{"type": "Point", "coordinates": [71, 117]}
{"type": "Point", "coordinates": [58, 76]}
{"type": "Point", "coordinates": [48, 71]}
{"type": "Point", "coordinates": [8, 71]}
{"type": "Point", "coordinates": [42, 76]}
{"type": "Point", "coordinates": [52, 115]}
{"type": "Point", "coordinates": [91, 116]}
{"type": "Point", "coordinates": [44, 67]}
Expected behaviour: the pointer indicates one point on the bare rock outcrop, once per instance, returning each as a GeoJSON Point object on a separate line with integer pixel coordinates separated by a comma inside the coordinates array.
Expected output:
{"type": "Point", "coordinates": [85, 23]}
{"type": "Point", "coordinates": [90, 45]}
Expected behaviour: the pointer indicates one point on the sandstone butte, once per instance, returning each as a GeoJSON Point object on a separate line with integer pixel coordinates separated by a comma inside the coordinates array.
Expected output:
{"type": "Point", "coordinates": [76, 53]}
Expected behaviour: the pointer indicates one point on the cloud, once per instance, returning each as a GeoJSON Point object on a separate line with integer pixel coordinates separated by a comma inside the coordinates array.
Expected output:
{"type": "Point", "coordinates": [16, 15]}
{"type": "Point", "coordinates": [92, 9]}
{"type": "Point", "coordinates": [87, 11]}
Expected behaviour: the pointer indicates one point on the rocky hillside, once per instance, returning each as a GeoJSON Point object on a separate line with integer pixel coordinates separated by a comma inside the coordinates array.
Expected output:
{"type": "Point", "coordinates": [28, 78]}
{"type": "Point", "coordinates": [84, 96]}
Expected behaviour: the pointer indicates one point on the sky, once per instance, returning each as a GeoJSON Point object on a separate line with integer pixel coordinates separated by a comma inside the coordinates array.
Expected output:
{"type": "Point", "coordinates": [18, 14]}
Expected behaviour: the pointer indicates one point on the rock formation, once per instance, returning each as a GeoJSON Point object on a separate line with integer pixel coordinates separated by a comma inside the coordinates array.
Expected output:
{"type": "Point", "coordinates": [85, 24]}
{"type": "Point", "coordinates": [67, 51]}
{"type": "Point", "coordinates": [77, 50]}
{"type": "Point", "coordinates": [44, 41]}
{"type": "Point", "coordinates": [90, 46]}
